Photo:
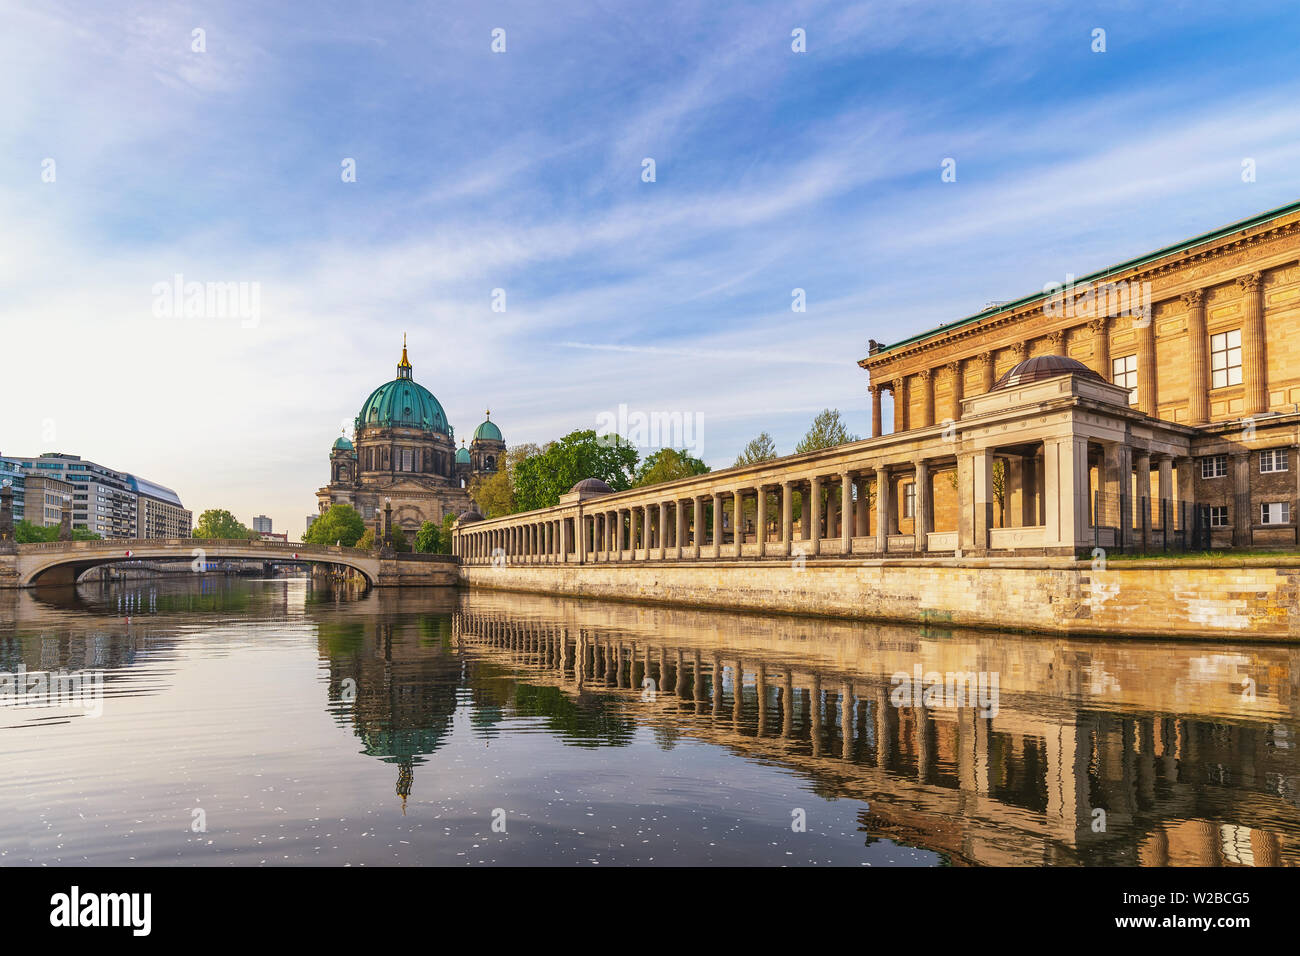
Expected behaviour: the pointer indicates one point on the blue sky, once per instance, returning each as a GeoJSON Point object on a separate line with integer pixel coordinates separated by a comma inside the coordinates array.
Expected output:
{"type": "Point", "coordinates": [522, 171]}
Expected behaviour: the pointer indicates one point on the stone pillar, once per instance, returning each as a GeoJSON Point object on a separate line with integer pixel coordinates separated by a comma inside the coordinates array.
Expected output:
{"type": "Point", "coordinates": [815, 497]}
{"type": "Point", "coordinates": [1057, 341]}
{"type": "Point", "coordinates": [1142, 496]}
{"type": "Point", "coordinates": [846, 513]}
{"type": "Point", "coordinates": [1065, 473]}
{"type": "Point", "coordinates": [663, 528]}
{"type": "Point", "coordinates": [588, 524]}
{"type": "Point", "coordinates": [1101, 348]}
{"type": "Point", "coordinates": [787, 517]}
{"type": "Point", "coordinates": [698, 528]}
{"type": "Point", "coordinates": [921, 506]}
{"type": "Point", "coordinates": [876, 426]}
{"type": "Point", "coordinates": [1198, 392]}
{"type": "Point", "coordinates": [564, 539]}
{"type": "Point", "coordinates": [900, 405]}
{"type": "Point", "coordinates": [760, 519]}
{"type": "Point", "coordinates": [882, 509]}
{"type": "Point", "coordinates": [738, 521]}
{"type": "Point", "coordinates": [1146, 337]}
{"type": "Point", "coordinates": [1242, 517]}
{"type": "Point", "coordinates": [982, 498]}
{"type": "Point", "coordinates": [679, 527]}
{"type": "Point", "coordinates": [1165, 494]}
{"type": "Point", "coordinates": [986, 371]}
{"type": "Point", "coordinates": [717, 524]}
{"type": "Point", "coordinates": [956, 385]}
{"type": "Point", "coordinates": [1254, 368]}
{"type": "Point", "coordinates": [926, 377]}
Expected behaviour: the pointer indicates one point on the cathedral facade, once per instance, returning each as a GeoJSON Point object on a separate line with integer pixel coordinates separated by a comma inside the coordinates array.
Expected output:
{"type": "Point", "coordinates": [403, 452]}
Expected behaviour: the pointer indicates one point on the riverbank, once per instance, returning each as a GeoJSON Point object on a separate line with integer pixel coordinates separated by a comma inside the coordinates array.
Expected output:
{"type": "Point", "coordinates": [1248, 598]}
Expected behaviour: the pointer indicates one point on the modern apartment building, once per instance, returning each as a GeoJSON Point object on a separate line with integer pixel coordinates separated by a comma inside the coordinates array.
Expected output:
{"type": "Point", "coordinates": [262, 524]}
{"type": "Point", "coordinates": [44, 499]}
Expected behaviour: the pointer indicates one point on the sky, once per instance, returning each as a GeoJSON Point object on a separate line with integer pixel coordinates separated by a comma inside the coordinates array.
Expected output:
{"type": "Point", "coordinates": [134, 150]}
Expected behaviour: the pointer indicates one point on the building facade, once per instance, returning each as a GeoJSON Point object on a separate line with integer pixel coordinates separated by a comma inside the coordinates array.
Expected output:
{"type": "Point", "coordinates": [1146, 407]}
{"type": "Point", "coordinates": [403, 451]}
{"type": "Point", "coordinates": [262, 524]}
{"type": "Point", "coordinates": [45, 500]}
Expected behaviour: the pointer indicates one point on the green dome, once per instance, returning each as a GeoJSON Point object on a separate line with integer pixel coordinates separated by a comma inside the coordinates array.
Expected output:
{"type": "Point", "coordinates": [403, 403]}
{"type": "Point", "coordinates": [462, 455]}
{"type": "Point", "coordinates": [342, 444]}
{"type": "Point", "coordinates": [488, 432]}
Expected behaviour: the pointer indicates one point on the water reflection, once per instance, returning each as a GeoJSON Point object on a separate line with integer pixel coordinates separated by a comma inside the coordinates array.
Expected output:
{"type": "Point", "coordinates": [624, 733]}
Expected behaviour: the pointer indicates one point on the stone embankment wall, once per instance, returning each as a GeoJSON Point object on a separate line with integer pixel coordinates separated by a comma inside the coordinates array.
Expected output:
{"type": "Point", "coordinates": [1244, 598]}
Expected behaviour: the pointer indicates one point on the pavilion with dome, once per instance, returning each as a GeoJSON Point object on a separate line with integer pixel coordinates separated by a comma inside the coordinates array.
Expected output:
{"type": "Point", "coordinates": [403, 450]}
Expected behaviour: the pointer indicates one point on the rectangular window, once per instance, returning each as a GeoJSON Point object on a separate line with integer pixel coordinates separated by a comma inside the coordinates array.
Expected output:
{"type": "Point", "coordinates": [909, 500]}
{"type": "Point", "coordinates": [1218, 516]}
{"type": "Point", "coordinates": [1225, 359]}
{"type": "Point", "coordinates": [1275, 512]}
{"type": "Point", "coordinates": [1214, 466]}
{"type": "Point", "coordinates": [1273, 459]}
{"type": "Point", "coordinates": [1126, 375]}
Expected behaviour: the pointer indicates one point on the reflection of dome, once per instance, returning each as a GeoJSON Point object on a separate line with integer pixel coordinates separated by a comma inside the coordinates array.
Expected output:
{"type": "Point", "coordinates": [342, 444]}
{"type": "Point", "coordinates": [592, 485]}
{"type": "Point", "coordinates": [1043, 366]}
{"type": "Point", "coordinates": [487, 431]}
{"type": "Point", "coordinates": [403, 402]}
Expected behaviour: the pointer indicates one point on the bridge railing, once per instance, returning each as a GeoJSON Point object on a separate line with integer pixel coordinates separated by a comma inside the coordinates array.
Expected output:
{"type": "Point", "coordinates": [188, 545]}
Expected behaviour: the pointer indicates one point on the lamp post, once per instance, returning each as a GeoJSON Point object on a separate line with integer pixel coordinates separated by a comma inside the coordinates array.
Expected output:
{"type": "Point", "coordinates": [388, 523]}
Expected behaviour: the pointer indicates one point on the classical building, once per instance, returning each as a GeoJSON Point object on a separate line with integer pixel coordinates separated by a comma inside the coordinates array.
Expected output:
{"type": "Point", "coordinates": [403, 452]}
{"type": "Point", "coordinates": [1149, 406]}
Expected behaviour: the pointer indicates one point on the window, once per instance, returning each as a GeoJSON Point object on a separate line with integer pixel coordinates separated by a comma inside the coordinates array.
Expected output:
{"type": "Point", "coordinates": [1126, 375]}
{"type": "Point", "coordinates": [909, 500]}
{"type": "Point", "coordinates": [1215, 466]}
{"type": "Point", "coordinates": [1273, 459]}
{"type": "Point", "coordinates": [1225, 359]}
{"type": "Point", "coordinates": [1275, 512]}
{"type": "Point", "coordinates": [1218, 516]}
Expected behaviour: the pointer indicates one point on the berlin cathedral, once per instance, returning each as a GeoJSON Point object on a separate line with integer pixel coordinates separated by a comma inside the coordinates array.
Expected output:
{"type": "Point", "coordinates": [404, 450]}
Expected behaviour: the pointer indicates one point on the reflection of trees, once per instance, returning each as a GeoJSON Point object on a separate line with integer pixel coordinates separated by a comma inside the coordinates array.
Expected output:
{"type": "Point", "coordinates": [593, 723]}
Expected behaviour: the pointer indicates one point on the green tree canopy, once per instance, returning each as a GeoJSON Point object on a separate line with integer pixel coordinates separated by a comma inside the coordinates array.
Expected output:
{"type": "Point", "coordinates": [495, 493]}
{"type": "Point", "coordinates": [218, 524]}
{"type": "Point", "coordinates": [429, 538]}
{"type": "Point", "coordinates": [667, 465]}
{"type": "Point", "coordinates": [540, 479]}
{"type": "Point", "coordinates": [342, 524]}
{"type": "Point", "coordinates": [27, 533]}
{"type": "Point", "coordinates": [827, 431]}
{"type": "Point", "coordinates": [761, 448]}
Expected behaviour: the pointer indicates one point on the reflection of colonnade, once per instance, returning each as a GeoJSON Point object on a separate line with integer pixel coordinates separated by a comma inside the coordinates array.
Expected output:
{"type": "Point", "coordinates": [1018, 787]}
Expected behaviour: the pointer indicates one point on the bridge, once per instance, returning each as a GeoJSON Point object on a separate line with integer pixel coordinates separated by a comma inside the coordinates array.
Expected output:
{"type": "Point", "coordinates": [63, 562]}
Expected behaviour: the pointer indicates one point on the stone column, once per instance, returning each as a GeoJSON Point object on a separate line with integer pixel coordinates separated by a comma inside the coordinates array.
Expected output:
{"type": "Point", "coordinates": [846, 513]}
{"type": "Point", "coordinates": [738, 521]}
{"type": "Point", "coordinates": [760, 519]}
{"type": "Point", "coordinates": [921, 506]}
{"type": "Point", "coordinates": [1198, 393]}
{"type": "Point", "coordinates": [1142, 496]}
{"type": "Point", "coordinates": [986, 371]}
{"type": "Point", "coordinates": [787, 517]}
{"type": "Point", "coordinates": [882, 509]}
{"type": "Point", "coordinates": [861, 520]}
{"type": "Point", "coordinates": [1101, 349]}
{"type": "Point", "coordinates": [663, 527]}
{"type": "Point", "coordinates": [1146, 336]}
{"type": "Point", "coordinates": [900, 405]}
{"type": "Point", "coordinates": [633, 525]}
{"type": "Point", "coordinates": [1057, 340]}
{"type": "Point", "coordinates": [698, 528]}
{"type": "Point", "coordinates": [585, 540]}
{"type": "Point", "coordinates": [564, 539]}
{"type": "Point", "coordinates": [926, 377]}
{"type": "Point", "coordinates": [876, 426]}
{"type": "Point", "coordinates": [956, 385]}
{"type": "Point", "coordinates": [1254, 369]}
{"type": "Point", "coordinates": [1242, 517]}
{"type": "Point", "coordinates": [679, 528]}
{"type": "Point", "coordinates": [981, 509]}
{"type": "Point", "coordinates": [1065, 473]}
{"type": "Point", "coordinates": [1166, 490]}
{"type": "Point", "coordinates": [815, 497]}
{"type": "Point", "coordinates": [717, 524]}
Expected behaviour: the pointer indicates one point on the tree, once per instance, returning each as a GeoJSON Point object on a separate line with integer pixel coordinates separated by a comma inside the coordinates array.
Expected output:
{"type": "Point", "coordinates": [495, 493]}
{"type": "Point", "coordinates": [428, 539]}
{"type": "Point", "coordinates": [341, 524]}
{"type": "Point", "coordinates": [217, 524]}
{"type": "Point", "coordinates": [827, 431]}
{"type": "Point", "coordinates": [540, 479]}
{"type": "Point", "coordinates": [667, 465]}
{"type": "Point", "coordinates": [25, 532]}
{"type": "Point", "coordinates": [761, 448]}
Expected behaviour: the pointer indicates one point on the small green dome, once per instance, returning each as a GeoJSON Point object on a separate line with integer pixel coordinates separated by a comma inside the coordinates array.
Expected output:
{"type": "Point", "coordinates": [403, 403]}
{"type": "Point", "coordinates": [487, 431]}
{"type": "Point", "coordinates": [462, 455]}
{"type": "Point", "coordinates": [342, 444]}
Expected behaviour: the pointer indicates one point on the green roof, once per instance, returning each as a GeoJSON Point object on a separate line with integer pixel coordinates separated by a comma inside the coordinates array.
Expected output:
{"type": "Point", "coordinates": [1186, 244]}
{"type": "Point", "coordinates": [403, 403]}
{"type": "Point", "coordinates": [488, 432]}
{"type": "Point", "coordinates": [342, 444]}
{"type": "Point", "coordinates": [462, 456]}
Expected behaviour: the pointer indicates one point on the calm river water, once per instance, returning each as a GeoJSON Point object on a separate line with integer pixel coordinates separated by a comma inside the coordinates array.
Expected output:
{"type": "Point", "coordinates": [213, 721]}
